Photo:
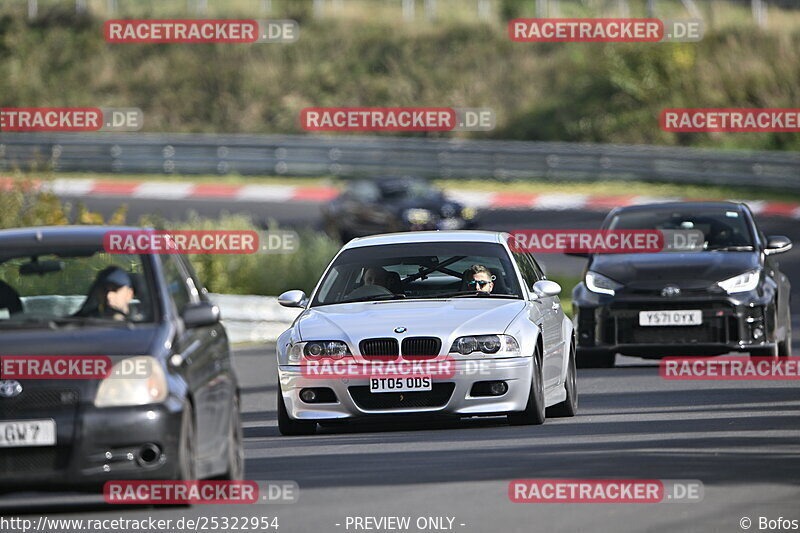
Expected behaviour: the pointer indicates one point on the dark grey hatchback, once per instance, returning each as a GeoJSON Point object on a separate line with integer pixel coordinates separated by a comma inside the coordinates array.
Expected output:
{"type": "Point", "coordinates": [63, 295]}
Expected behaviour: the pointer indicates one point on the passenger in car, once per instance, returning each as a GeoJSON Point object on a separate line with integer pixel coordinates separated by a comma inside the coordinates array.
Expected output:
{"type": "Point", "coordinates": [376, 276]}
{"type": "Point", "coordinates": [478, 277]}
{"type": "Point", "coordinates": [111, 293]}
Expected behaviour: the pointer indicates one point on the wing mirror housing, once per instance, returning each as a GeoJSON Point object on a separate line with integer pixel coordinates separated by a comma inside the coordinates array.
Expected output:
{"type": "Point", "coordinates": [295, 298]}
{"type": "Point", "coordinates": [544, 288]}
{"type": "Point", "coordinates": [200, 314]}
{"type": "Point", "coordinates": [777, 244]}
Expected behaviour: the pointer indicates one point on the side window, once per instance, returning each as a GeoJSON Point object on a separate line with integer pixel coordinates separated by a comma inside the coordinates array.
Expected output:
{"type": "Point", "coordinates": [365, 191]}
{"type": "Point", "coordinates": [536, 267]}
{"type": "Point", "coordinates": [176, 279]}
{"type": "Point", "coordinates": [198, 289]}
{"type": "Point", "coordinates": [527, 268]}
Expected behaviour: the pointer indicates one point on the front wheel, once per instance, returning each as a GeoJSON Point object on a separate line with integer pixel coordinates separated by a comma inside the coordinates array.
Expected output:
{"type": "Point", "coordinates": [186, 459]}
{"type": "Point", "coordinates": [290, 426]}
{"type": "Point", "coordinates": [534, 413]}
{"type": "Point", "coordinates": [235, 451]}
{"type": "Point", "coordinates": [785, 346]}
{"type": "Point", "coordinates": [569, 407]}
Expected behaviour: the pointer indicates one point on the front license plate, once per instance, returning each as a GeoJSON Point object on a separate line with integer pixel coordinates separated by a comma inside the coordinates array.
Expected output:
{"type": "Point", "coordinates": [404, 384]}
{"type": "Point", "coordinates": [692, 317]}
{"type": "Point", "coordinates": [27, 433]}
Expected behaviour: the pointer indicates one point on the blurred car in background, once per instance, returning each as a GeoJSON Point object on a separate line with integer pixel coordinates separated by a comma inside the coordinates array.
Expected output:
{"type": "Point", "coordinates": [729, 296]}
{"type": "Point", "coordinates": [179, 421]}
{"type": "Point", "coordinates": [367, 207]}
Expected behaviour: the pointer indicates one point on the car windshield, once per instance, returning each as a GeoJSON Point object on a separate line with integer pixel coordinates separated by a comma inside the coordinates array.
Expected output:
{"type": "Point", "coordinates": [409, 189]}
{"type": "Point", "coordinates": [723, 228]}
{"type": "Point", "coordinates": [419, 270]}
{"type": "Point", "coordinates": [73, 287]}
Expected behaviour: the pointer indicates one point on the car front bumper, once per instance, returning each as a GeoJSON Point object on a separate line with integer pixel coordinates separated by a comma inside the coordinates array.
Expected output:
{"type": "Point", "coordinates": [95, 445]}
{"type": "Point", "coordinates": [729, 324]}
{"type": "Point", "coordinates": [450, 395]}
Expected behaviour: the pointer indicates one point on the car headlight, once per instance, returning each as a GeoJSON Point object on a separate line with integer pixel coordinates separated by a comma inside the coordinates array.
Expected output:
{"type": "Point", "coordinates": [418, 216]}
{"type": "Point", "coordinates": [742, 283]}
{"type": "Point", "coordinates": [601, 284]}
{"type": "Point", "coordinates": [497, 345]}
{"type": "Point", "coordinates": [126, 388]}
{"type": "Point", "coordinates": [468, 213]}
{"type": "Point", "coordinates": [316, 350]}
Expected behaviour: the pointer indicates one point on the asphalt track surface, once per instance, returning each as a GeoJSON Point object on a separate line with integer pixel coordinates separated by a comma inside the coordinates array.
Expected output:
{"type": "Point", "coordinates": [741, 439]}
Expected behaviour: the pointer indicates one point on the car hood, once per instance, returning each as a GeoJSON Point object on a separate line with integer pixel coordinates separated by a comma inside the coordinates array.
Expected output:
{"type": "Point", "coordinates": [441, 318]}
{"type": "Point", "coordinates": [686, 270]}
{"type": "Point", "coordinates": [79, 341]}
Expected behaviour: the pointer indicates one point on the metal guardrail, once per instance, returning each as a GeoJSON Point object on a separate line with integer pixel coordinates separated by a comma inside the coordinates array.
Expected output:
{"type": "Point", "coordinates": [309, 155]}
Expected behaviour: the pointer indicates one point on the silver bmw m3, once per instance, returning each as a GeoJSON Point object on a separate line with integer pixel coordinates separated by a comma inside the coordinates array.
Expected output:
{"type": "Point", "coordinates": [427, 323]}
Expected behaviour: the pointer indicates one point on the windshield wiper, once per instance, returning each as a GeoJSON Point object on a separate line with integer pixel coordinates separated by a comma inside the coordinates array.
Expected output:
{"type": "Point", "coordinates": [62, 320]}
{"type": "Point", "coordinates": [28, 323]}
{"type": "Point", "coordinates": [468, 294]}
{"type": "Point", "coordinates": [54, 322]}
{"type": "Point", "coordinates": [732, 248]}
{"type": "Point", "coordinates": [379, 297]}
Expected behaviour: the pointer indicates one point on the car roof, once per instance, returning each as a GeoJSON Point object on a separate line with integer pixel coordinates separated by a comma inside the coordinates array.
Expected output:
{"type": "Point", "coordinates": [428, 236]}
{"type": "Point", "coordinates": [46, 236]}
{"type": "Point", "coordinates": [672, 205]}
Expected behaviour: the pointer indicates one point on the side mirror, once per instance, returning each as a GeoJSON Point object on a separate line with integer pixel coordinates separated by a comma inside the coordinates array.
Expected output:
{"type": "Point", "coordinates": [777, 244]}
{"type": "Point", "coordinates": [295, 298]}
{"type": "Point", "coordinates": [544, 288]}
{"type": "Point", "coordinates": [200, 314]}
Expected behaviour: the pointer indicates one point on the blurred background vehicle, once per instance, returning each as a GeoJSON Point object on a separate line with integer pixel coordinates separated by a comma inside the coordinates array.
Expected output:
{"type": "Point", "coordinates": [179, 419]}
{"type": "Point", "coordinates": [729, 296]}
{"type": "Point", "coordinates": [386, 205]}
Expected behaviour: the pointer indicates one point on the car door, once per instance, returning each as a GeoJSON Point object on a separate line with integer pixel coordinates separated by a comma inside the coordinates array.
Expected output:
{"type": "Point", "coordinates": [551, 320]}
{"type": "Point", "coordinates": [201, 369]}
{"type": "Point", "coordinates": [223, 382]}
{"type": "Point", "coordinates": [347, 214]}
{"type": "Point", "coordinates": [783, 288]}
{"type": "Point", "coordinates": [370, 214]}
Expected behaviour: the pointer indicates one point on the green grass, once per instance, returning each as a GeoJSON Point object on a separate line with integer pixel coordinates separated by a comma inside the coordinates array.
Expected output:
{"type": "Point", "coordinates": [369, 56]}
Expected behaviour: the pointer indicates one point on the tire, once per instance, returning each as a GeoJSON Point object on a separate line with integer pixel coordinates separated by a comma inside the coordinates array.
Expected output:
{"type": "Point", "coordinates": [785, 346]}
{"type": "Point", "coordinates": [569, 407]}
{"type": "Point", "coordinates": [234, 449]}
{"type": "Point", "coordinates": [595, 358]}
{"type": "Point", "coordinates": [534, 413]}
{"type": "Point", "coordinates": [187, 470]}
{"type": "Point", "coordinates": [288, 426]}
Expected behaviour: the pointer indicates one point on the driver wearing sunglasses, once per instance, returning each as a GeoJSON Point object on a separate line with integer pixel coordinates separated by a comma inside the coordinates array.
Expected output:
{"type": "Point", "coordinates": [479, 278]}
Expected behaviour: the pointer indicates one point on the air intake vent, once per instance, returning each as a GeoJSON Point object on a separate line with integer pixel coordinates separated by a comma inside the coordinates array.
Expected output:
{"type": "Point", "coordinates": [378, 349]}
{"type": "Point", "coordinates": [421, 347]}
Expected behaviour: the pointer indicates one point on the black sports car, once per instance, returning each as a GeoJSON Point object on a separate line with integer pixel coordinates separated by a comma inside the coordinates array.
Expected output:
{"type": "Point", "coordinates": [367, 207]}
{"type": "Point", "coordinates": [62, 295]}
{"type": "Point", "coordinates": [729, 296]}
